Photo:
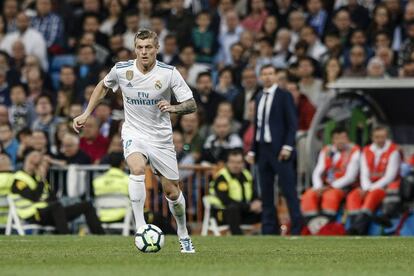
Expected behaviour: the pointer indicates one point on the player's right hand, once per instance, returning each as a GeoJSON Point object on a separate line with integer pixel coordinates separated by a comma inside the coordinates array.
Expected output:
{"type": "Point", "coordinates": [79, 122]}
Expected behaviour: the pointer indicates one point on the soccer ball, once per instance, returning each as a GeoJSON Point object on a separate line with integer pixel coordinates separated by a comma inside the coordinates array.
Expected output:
{"type": "Point", "coordinates": [149, 238]}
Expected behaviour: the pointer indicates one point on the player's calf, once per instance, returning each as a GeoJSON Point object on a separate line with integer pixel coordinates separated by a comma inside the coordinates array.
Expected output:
{"type": "Point", "coordinates": [171, 189]}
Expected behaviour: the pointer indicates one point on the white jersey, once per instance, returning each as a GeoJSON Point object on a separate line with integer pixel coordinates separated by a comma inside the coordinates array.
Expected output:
{"type": "Point", "coordinates": [141, 93]}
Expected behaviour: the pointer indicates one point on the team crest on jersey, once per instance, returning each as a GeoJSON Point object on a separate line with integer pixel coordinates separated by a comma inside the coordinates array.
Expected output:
{"type": "Point", "coordinates": [129, 74]}
{"type": "Point", "coordinates": [158, 84]}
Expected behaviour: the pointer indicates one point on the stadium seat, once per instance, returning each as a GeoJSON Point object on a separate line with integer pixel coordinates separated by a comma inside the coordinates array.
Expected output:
{"type": "Point", "coordinates": [407, 228]}
{"type": "Point", "coordinates": [376, 229]}
{"type": "Point", "coordinates": [15, 223]}
{"type": "Point", "coordinates": [60, 60]}
{"type": "Point", "coordinates": [114, 201]}
{"type": "Point", "coordinates": [210, 223]}
{"type": "Point", "coordinates": [56, 64]}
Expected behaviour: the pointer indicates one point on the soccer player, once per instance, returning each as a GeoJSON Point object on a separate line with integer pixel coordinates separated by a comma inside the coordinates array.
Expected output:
{"type": "Point", "coordinates": [146, 86]}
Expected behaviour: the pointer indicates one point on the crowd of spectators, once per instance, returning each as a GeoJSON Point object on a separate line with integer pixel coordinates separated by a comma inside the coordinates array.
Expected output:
{"type": "Point", "coordinates": [52, 53]}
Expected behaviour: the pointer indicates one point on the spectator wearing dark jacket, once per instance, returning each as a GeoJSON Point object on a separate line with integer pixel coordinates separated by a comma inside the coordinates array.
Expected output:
{"type": "Point", "coordinates": [207, 99]}
{"type": "Point", "coordinates": [218, 144]}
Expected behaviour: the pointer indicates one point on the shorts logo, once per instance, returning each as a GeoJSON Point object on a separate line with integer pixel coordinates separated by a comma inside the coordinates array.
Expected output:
{"type": "Point", "coordinates": [129, 74]}
{"type": "Point", "coordinates": [158, 85]}
{"type": "Point", "coordinates": [128, 143]}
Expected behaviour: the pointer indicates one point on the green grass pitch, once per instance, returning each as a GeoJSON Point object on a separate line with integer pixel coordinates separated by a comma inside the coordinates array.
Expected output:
{"type": "Point", "coordinates": [116, 255]}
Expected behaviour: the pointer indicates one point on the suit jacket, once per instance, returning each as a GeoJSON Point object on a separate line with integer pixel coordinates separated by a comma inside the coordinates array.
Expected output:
{"type": "Point", "coordinates": [283, 121]}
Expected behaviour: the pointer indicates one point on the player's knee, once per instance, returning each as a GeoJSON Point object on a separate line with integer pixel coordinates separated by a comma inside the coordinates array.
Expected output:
{"type": "Point", "coordinates": [137, 170]}
{"type": "Point", "coordinates": [172, 192]}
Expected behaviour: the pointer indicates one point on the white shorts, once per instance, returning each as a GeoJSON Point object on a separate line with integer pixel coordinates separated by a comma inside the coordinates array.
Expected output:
{"type": "Point", "coordinates": [162, 158]}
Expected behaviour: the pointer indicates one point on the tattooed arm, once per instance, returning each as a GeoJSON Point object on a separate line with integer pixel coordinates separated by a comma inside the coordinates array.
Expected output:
{"type": "Point", "coordinates": [186, 107]}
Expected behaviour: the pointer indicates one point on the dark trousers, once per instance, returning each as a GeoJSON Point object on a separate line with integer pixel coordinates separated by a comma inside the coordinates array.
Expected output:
{"type": "Point", "coordinates": [269, 166]}
{"type": "Point", "coordinates": [234, 215]}
{"type": "Point", "coordinates": [58, 216]}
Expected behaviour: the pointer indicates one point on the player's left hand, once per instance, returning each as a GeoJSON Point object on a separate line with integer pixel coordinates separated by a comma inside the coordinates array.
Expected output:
{"type": "Point", "coordinates": [165, 106]}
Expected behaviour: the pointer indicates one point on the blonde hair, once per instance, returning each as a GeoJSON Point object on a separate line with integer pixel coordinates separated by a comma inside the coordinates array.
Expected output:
{"type": "Point", "coordinates": [146, 34]}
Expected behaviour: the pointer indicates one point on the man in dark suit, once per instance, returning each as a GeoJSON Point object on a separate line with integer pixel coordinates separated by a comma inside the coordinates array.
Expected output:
{"type": "Point", "coordinates": [272, 148]}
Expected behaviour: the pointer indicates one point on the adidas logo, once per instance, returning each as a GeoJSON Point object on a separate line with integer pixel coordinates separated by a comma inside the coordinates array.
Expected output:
{"type": "Point", "coordinates": [129, 84]}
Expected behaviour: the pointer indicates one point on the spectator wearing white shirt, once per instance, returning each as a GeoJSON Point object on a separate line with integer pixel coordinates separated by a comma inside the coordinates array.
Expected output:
{"type": "Point", "coordinates": [145, 13]}
{"type": "Point", "coordinates": [229, 37]}
{"type": "Point", "coordinates": [316, 48]}
{"type": "Point", "coordinates": [309, 85]}
{"type": "Point", "coordinates": [376, 68]}
{"type": "Point", "coordinates": [114, 18]}
{"type": "Point", "coordinates": [387, 57]}
{"type": "Point", "coordinates": [33, 40]}
{"type": "Point", "coordinates": [266, 54]}
{"type": "Point", "coordinates": [158, 26]}
{"type": "Point", "coordinates": [132, 26]}
{"type": "Point", "coordinates": [187, 58]}
{"type": "Point", "coordinates": [297, 21]}
{"type": "Point", "coordinates": [283, 39]}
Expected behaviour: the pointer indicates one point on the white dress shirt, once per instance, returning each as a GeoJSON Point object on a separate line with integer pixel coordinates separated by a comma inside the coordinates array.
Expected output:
{"type": "Point", "coordinates": [128, 38]}
{"type": "Point", "coordinates": [267, 136]}
{"type": "Point", "coordinates": [271, 94]}
{"type": "Point", "coordinates": [390, 172]}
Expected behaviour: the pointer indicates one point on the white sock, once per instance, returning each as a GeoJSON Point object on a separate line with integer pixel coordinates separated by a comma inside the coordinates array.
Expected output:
{"type": "Point", "coordinates": [137, 195]}
{"type": "Point", "coordinates": [177, 208]}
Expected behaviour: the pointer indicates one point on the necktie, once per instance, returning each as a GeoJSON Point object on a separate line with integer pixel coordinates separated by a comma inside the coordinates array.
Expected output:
{"type": "Point", "coordinates": [263, 125]}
